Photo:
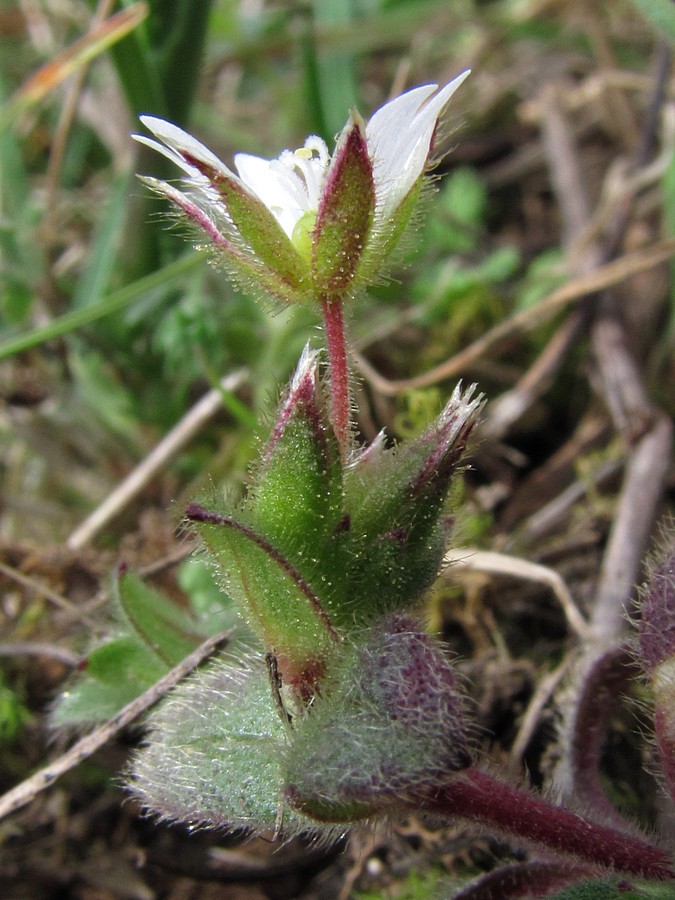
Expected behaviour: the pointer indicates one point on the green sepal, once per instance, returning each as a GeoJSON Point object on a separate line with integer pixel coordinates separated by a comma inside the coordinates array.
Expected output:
{"type": "Point", "coordinates": [387, 234]}
{"type": "Point", "coordinates": [251, 274]}
{"type": "Point", "coordinates": [345, 214]}
{"type": "Point", "coordinates": [261, 232]}
{"type": "Point", "coordinates": [279, 604]}
{"type": "Point", "coordinates": [247, 269]}
{"type": "Point", "coordinates": [296, 496]}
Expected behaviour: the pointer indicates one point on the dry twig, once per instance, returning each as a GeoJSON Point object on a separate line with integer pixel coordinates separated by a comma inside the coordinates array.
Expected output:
{"type": "Point", "coordinates": [25, 792]}
{"type": "Point", "coordinates": [577, 289]}
{"type": "Point", "coordinates": [168, 447]}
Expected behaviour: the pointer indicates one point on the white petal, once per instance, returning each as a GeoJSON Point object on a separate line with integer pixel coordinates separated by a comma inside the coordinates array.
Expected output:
{"type": "Point", "coordinates": [387, 122]}
{"type": "Point", "coordinates": [273, 186]}
{"type": "Point", "coordinates": [170, 154]}
{"type": "Point", "coordinates": [399, 137]}
{"type": "Point", "coordinates": [307, 365]}
{"type": "Point", "coordinates": [178, 140]}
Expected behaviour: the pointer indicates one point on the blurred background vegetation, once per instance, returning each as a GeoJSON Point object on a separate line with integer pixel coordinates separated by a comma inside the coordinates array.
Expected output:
{"type": "Point", "coordinates": [113, 327]}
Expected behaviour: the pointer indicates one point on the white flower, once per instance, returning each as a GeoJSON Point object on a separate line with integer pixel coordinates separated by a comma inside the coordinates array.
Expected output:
{"type": "Point", "coordinates": [307, 224]}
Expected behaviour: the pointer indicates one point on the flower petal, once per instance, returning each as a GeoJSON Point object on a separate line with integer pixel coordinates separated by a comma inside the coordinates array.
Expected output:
{"type": "Point", "coordinates": [289, 186]}
{"type": "Point", "coordinates": [171, 155]}
{"type": "Point", "coordinates": [399, 139]}
{"type": "Point", "coordinates": [183, 144]}
{"type": "Point", "coordinates": [279, 194]}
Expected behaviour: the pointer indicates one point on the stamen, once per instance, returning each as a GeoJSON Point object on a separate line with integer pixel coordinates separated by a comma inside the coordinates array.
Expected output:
{"type": "Point", "coordinates": [318, 145]}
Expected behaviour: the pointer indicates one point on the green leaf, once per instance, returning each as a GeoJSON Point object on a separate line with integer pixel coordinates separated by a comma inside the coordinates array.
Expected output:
{"type": "Point", "coordinates": [114, 674]}
{"type": "Point", "coordinates": [214, 753]}
{"type": "Point", "coordinates": [170, 632]}
{"type": "Point", "coordinates": [660, 14]}
{"type": "Point", "coordinates": [388, 720]}
{"type": "Point", "coordinates": [151, 635]}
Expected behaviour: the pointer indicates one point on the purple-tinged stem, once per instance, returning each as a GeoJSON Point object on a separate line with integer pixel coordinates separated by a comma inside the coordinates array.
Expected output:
{"type": "Point", "coordinates": [524, 879]}
{"type": "Point", "coordinates": [607, 679]}
{"type": "Point", "coordinates": [339, 373]}
{"type": "Point", "coordinates": [478, 797]}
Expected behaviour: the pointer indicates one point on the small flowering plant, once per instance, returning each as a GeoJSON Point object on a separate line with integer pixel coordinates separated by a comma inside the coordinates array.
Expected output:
{"type": "Point", "coordinates": [339, 706]}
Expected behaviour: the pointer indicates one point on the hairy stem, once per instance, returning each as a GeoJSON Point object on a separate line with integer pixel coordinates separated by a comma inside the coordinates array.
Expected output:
{"type": "Point", "coordinates": [339, 374]}
{"type": "Point", "coordinates": [478, 797]}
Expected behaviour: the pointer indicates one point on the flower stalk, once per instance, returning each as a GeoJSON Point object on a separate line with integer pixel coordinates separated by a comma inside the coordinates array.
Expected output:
{"type": "Point", "coordinates": [482, 799]}
{"type": "Point", "coordinates": [333, 314]}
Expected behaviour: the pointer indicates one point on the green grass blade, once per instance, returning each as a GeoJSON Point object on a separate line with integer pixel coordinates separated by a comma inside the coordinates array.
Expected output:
{"type": "Point", "coordinates": [118, 300]}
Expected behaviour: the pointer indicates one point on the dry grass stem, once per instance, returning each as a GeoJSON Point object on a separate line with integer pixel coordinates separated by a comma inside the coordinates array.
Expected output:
{"type": "Point", "coordinates": [155, 461]}
{"type": "Point", "coordinates": [501, 564]}
{"type": "Point", "coordinates": [84, 748]}
{"type": "Point", "coordinates": [579, 288]}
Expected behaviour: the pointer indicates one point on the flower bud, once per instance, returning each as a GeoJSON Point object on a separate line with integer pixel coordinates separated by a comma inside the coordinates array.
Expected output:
{"type": "Point", "coordinates": [273, 553]}
{"type": "Point", "coordinates": [308, 552]}
{"type": "Point", "coordinates": [395, 499]}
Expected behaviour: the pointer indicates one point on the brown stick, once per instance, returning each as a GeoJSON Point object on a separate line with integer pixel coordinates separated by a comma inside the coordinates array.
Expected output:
{"type": "Point", "coordinates": [574, 291]}
{"type": "Point", "coordinates": [23, 793]}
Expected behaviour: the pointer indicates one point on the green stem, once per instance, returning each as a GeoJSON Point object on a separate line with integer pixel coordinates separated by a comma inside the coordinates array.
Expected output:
{"type": "Point", "coordinates": [339, 372]}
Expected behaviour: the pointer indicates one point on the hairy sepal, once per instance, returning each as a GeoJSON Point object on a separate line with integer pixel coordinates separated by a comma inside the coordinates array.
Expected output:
{"type": "Point", "coordinates": [345, 214]}
{"type": "Point", "coordinates": [213, 754]}
{"type": "Point", "coordinates": [389, 721]}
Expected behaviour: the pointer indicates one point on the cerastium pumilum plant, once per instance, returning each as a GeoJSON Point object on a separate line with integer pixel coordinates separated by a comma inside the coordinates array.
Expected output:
{"type": "Point", "coordinates": [341, 707]}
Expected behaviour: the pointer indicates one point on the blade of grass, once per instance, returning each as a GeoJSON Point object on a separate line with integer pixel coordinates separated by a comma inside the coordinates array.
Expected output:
{"type": "Point", "coordinates": [118, 300]}
{"type": "Point", "coordinates": [329, 71]}
{"type": "Point", "coordinates": [21, 262]}
{"type": "Point", "coordinates": [102, 259]}
{"type": "Point", "coordinates": [159, 65]}
{"type": "Point", "coordinates": [54, 72]}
